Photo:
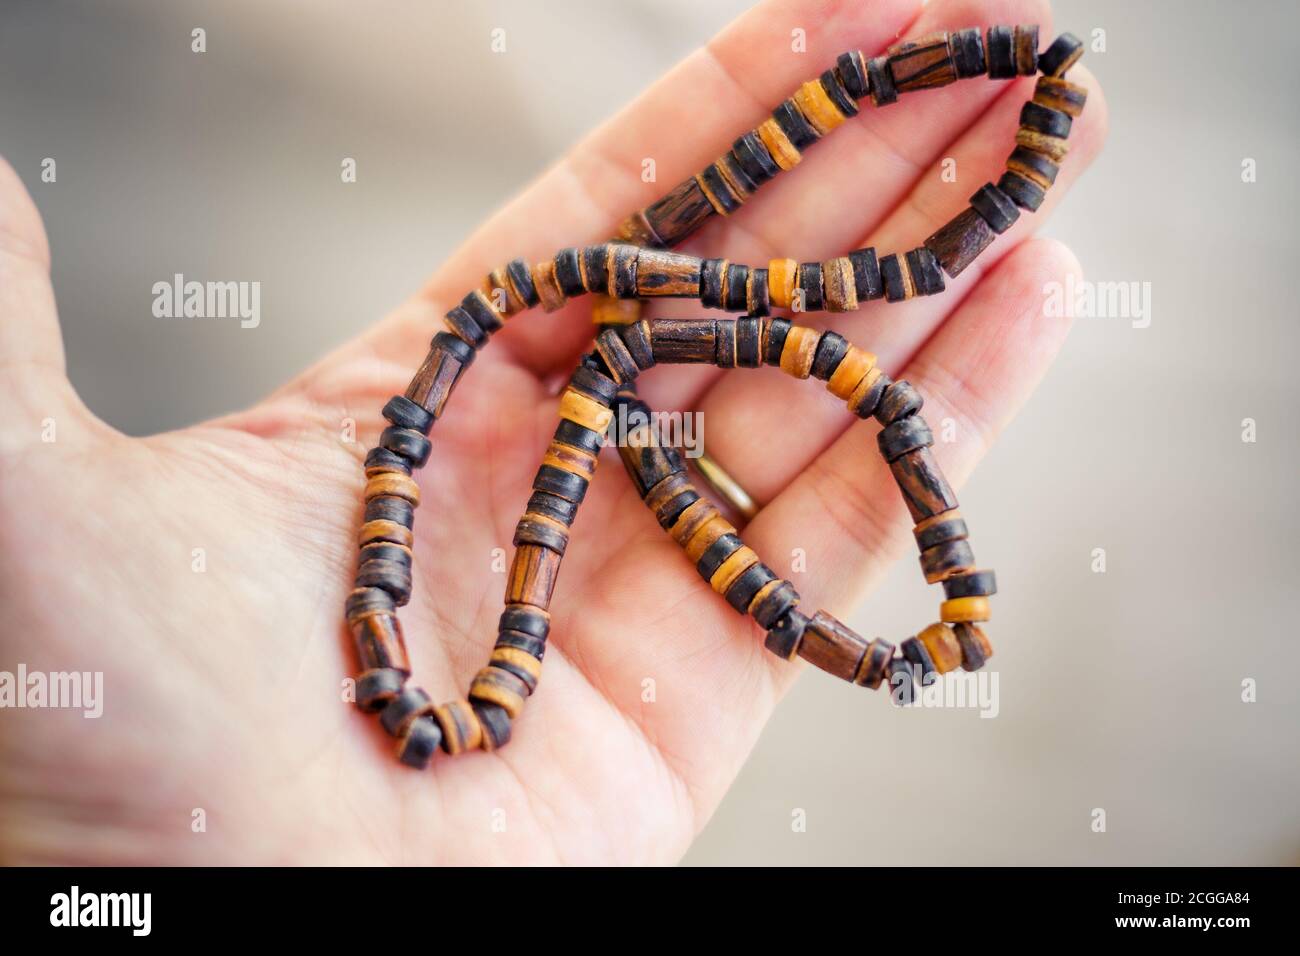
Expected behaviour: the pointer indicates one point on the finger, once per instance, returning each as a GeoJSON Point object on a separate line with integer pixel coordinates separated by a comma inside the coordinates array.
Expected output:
{"type": "Point", "coordinates": [981, 365]}
{"type": "Point", "coordinates": [740, 406]}
{"type": "Point", "coordinates": [683, 122]}
{"type": "Point", "coordinates": [34, 389]}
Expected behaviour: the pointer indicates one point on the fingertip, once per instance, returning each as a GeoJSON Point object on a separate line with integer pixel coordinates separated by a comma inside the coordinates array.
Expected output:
{"type": "Point", "coordinates": [22, 232]}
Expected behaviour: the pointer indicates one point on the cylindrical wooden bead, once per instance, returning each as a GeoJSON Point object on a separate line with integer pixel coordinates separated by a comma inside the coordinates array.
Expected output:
{"type": "Point", "coordinates": [1045, 120]}
{"type": "Point", "coordinates": [918, 655]}
{"type": "Point", "coordinates": [971, 584]}
{"type": "Point", "coordinates": [404, 413]}
{"type": "Point", "coordinates": [395, 484]}
{"type": "Point", "coordinates": [595, 268]}
{"type": "Point", "coordinates": [548, 286]}
{"type": "Point", "coordinates": [941, 642]}
{"type": "Point", "coordinates": [568, 272]}
{"type": "Point", "coordinates": [411, 703]}
{"type": "Point", "coordinates": [852, 70]}
{"type": "Point", "coordinates": [722, 196]}
{"type": "Point", "coordinates": [975, 646]}
{"type": "Point", "coordinates": [621, 267]}
{"type": "Point", "coordinates": [419, 743]}
{"type": "Point", "coordinates": [732, 568]}
{"type": "Point", "coordinates": [464, 327]}
{"type": "Point", "coordinates": [947, 526]}
{"type": "Point", "coordinates": [995, 207]}
{"type": "Point", "coordinates": [772, 602]}
{"type": "Point", "coordinates": [1025, 193]}
{"type": "Point", "coordinates": [875, 664]}
{"type": "Point", "coordinates": [663, 273]}
{"type": "Point", "coordinates": [782, 275]}
{"type": "Point", "coordinates": [1053, 147]}
{"type": "Point", "coordinates": [379, 643]}
{"type": "Point", "coordinates": [800, 347]}
{"type": "Point", "coordinates": [749, 339]}
{"type": "Point", "coordinates": [774, 333]}
{"type": "Point", "coordinates": [946, 559]}
{"type": "Point", "coordinates": [587, 412]}
{"type": "Point", "coordinates": [482, 310]}
{"type": "Point", "coordinates": [1033, 166]}
{"type": "Point", "coordinates": [1000, 53]}
{"type": "Point", "coordinates": [831, 349]}
{"type": "Point", "coordinates": [433, 383]}
{"type": "Point", "coordinates": [829, 645]}
{"type": "Point", "coordinates": [393, 577]}
{"type": "Point", "coordinates": [921, 64]}
{"type": "Point", "coordinates": [384, 508]}
{"type": "Point", "coordinates": [1025, 42]}
{"type": "Point", "coordinates": [817, 107]}
{"type": "Point", "coordinates": [713, 282]}
{"type": "Point", "coordinates": [966, 47]}
{"type": "Point", "coordinates": [527, 619]}
{"type": "Point", "coordinates": [959, 242]}
{"type": "Point", "coordinates": [784, 636]}
{"type": "Point", "coordinates": [923, 267]}
{"type": "Point", "coordinates": [607, 311]}
{"type": "Point", "coordinates": [834, 89]}
{"type": "Point", "coordinates": [532, 576]}
{"type": "Point", "coordinates": [384, 530]}
{"type": "Point", "coordinates": [852, 369]}
{"type": "Point", "coordinates": [809, 293]}
{"type": "Point", "coordinates": [964, 609]}
{"type": "Point", "coordinates": [735, 293]}
{"type": "Point", "coordinates": [783, 151]}
{"type": "Point", "coordinates": [899, 400]}
{"type": "Point", "coordinates": [680, 212]}
{"type": "Point", "coordinates": [683, 340]}
{"type": "Point", "coordinates": [753, 158]}
{"type": "Point", "coordinates": [461, 730]}
{"type": "Point", "coordinates": [904, 435]}
{"type": "Point", "coordinates": [839, 286]}
{"type": "Point", "coordinates": [1061, 55]}
{"type": "Point", "coordinates": [866, 396]}
{"type": "Point", "coordinates": [897, 278]}
{"type": "Point", "coordinates": [541, 530]}
{"type": "Point", "coordinates": [925, 490]}
{"type": "Point", "coordinates": [495, 724]}
{"type": "Point", "coordinates": [519, 662]}
{"type": "Point", "coordinates": [380, 460]}
{"type": "Point", "coordinates": [375, 688]}
{"type": "Point", "coordinates": [757, 300]}
{"type": "Point", "coordinates": [408, 443]}
{"type": "Point", "coordinates": [618, 358]}
{"type": "Point", "coordinates": [363, 601]}
{"type": "Point", "coordinates": [868, 283]}
{"type": "Point", "coordinates": [882, 82]}
{"type": "Point", "coordinates": [493, 685]}
{"type": "Point", "coordinates": [1059, 94]}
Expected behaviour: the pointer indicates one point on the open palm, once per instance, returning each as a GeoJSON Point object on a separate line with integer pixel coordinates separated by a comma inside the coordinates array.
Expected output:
{"type": "Point", "coordinates": [204, 571]}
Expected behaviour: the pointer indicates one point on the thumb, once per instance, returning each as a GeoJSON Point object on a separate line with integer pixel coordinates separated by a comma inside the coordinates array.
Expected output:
{"type": "Point", "coordinates": [34, 388]}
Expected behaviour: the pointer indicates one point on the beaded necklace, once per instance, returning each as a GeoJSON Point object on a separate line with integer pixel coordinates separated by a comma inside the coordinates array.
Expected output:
{"type": "Point", "coordinates": [637, 266]}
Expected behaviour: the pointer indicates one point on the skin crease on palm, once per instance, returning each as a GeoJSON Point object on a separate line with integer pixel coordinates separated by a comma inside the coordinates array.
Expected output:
{"type": "Point", "coordinates": [223, 690]}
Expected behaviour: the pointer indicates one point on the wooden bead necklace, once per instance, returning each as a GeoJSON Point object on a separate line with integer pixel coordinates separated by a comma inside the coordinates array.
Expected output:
{"type": "Point", "coordinates": [636, 266]}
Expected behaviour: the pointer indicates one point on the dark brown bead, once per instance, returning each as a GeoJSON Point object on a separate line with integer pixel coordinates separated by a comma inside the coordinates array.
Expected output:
{"type": "Point", "coordinates": [958, 243]}
{"type": "Point", "coordinates": [618, 358]}
{"type": "Point", "coordinates": [752, 157]}
{"type": "Point", "coordinates": [810, 284]}
{"type": "Point", "coordinates": [917, 654]}
{"type": "Point", "coordinates": [925, 490]}
{"type": "Point", "coordinates": [927, 277]}
{"type": "Point", "coordinates": [784, 636]}
{"type": "Point", "coordinates": [830, 646]}
{"type": "Point", "coordinates": [1024, 193]}
{"type": "Point", "coordinates": [1000, 53]}
{"type": "Point", "coordinates": [758, 299]}
{"type": "Point", "coordinates": [480, 309]}
{"type": "Point", "coordinates": [975, 646]}
{"type": "Point", "coordinates": [866, 274]}
{"type": "Point", "coordinates": [1061, 55]}
{"type": "Point", "coordinates": [777, 329]}
{"type": "Point", "coordinates": [995, 207]}
{"type": "Point", "coordinates": [972, 584]}
{"type": "Point", "coordinates": [875, 664]}
{"type": "Point", "coordinates": [831, 348]}
{"type": "Point", "coordinates": [749, 339]}
{"type": "Point", "coordinates": [949, 527]}
{"type": "Point", "coordinates": [904, 435]}
{"type": "Point", "coordinates": [375, 688]}
{"type": "Point", "coordinates": [408, 443]}
{"type": "Point", "coordinates": [1044, 119]}
{"type": "Point", "coordinates": [852, 70]}
{"type": "Point", "coordinates": [418, 745]}
{"type": "Point", "coordinates": [684, 340]}
{"type": "Point", "coordinates": [392, 576]}
{"type": "Point", "coordinates": [496, 725]}
{"type": "Point", "coordinates": [967, 49]}
{"type": "Point", "coordinates": [736, 297]}
{"type": "Point", "coordinates": [404, 413]}
{"type": "Point", "coordinates": [921, 64]}
{"type": "Point", "coordinates": [411, 703]}
{"type": "Point", "coordinates": [568, 272]}
{"type": "Point", "coordinates": [1025, 41]}
{"type": "Point", "coordinates": [531, 530]}
{"type": "Point", "coordinates": [946, 559]}
{"type": "Point", "coordinates": [899, 401]}
{"type": "Point", "coordinates": [795, 126]}
{"type": "Point", "coordinates": [380, 459]}
{"type": "Point", "coordinates": [463, 324]}
{"type": "Point", "coordinates": [773, 605]}
{"type": "Point", "coordinates": [882, 83]}
{"type": "Point", "coordinates": [834, 87]}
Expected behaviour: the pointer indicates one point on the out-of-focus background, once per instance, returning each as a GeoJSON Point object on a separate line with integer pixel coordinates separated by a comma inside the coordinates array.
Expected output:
{"type": "Point", "coordinates": [1119, 690]}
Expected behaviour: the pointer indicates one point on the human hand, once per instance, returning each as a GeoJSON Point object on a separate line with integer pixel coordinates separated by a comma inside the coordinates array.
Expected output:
{"type": "Point", "coordinates": [223, 689]}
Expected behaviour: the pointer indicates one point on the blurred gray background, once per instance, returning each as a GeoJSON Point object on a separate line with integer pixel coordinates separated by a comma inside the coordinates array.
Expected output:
{"type": "Point", "coordinates": [1119, 690]}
